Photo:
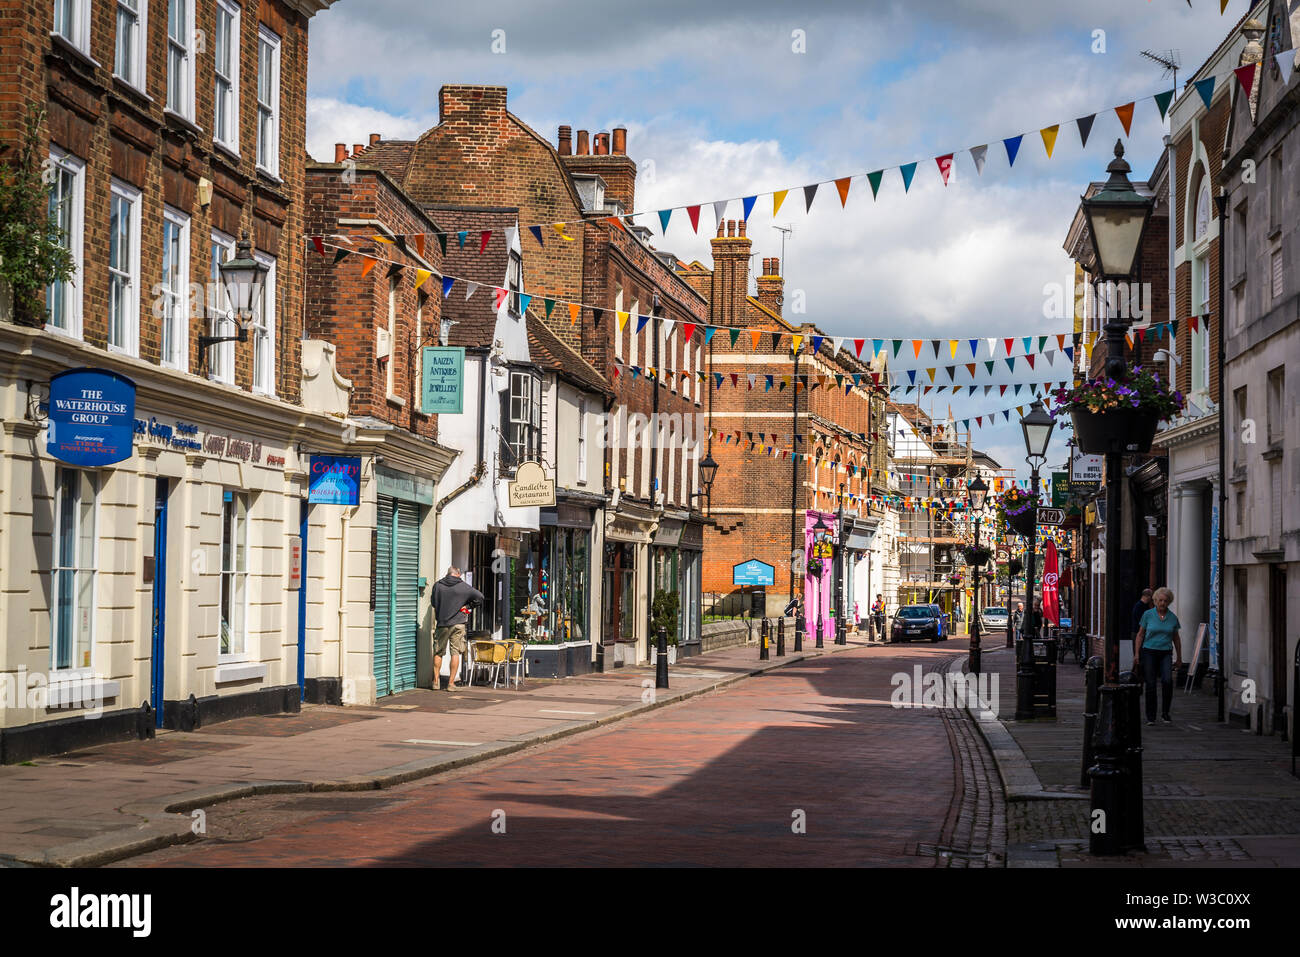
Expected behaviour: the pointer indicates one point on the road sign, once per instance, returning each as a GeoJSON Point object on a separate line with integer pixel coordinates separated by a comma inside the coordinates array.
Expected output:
{"type": "Point", "coordinates": [1051, 516]}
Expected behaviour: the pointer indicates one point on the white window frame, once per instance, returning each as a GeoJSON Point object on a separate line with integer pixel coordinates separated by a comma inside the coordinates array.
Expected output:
{"type": "Point", "coordinates": [67, 163]}
{"type": "Point", "coordinates": [175, 297]}
{"type": "Point", "coordinates": [632, 321]}
{"type": "Point", "coordinates": [263, 324]}
{"type": "Point", "coordinates": [394, 284]}
{"type": "Point", "coordinates": [699, 367]}
{"type": "Point", "coordinates": [1200, 340]}
{"type": "Point", "coordinates": [1203, 214]}
{"type": "Point", "coordinates": [77, 32]}
{"type": "Point", "coordinates": [130, 275]}
{"type": "Point", "coordinates": [138, 42]}
{"type": "Point", "coordinates": [582, 441]}
{"type": "Point", "coordinates": [220, 357]}
{"type": "Point", "coordinates": [514, 283]}
{"type": "Point", "coordinates": [182, 104]}
{"type": "Point", "coordinates": [238, 645]}
{"type": "Point", "coordinates": [272, 150]}
{"type": "Point", "coordinates": [57, 566]}
{"type": "Point", "coordinates": [230, 142]}
{"type": "Point", "coordinates": [618, 333]}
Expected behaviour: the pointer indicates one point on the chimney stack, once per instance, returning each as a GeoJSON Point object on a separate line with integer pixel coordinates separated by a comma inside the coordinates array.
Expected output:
{"type": "Point", "coordinates": [582, 142]}
{"type": "Point", "coordinates": [566, 141]}
{"type": "Point", "coordinates": [340, 152]}
{"type": "Point", "coordinates": [620, 141]}
{"type": "Point", "coordinates": [771, 287]}
{"type": "Point", "coordinates": [730, 280]}
{"type": "Point", "coordinates": [375, 138]}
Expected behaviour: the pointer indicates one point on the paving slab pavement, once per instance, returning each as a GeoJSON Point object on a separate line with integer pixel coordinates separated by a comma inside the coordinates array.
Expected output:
{"type": "Point", "coordinates": [102, 804]}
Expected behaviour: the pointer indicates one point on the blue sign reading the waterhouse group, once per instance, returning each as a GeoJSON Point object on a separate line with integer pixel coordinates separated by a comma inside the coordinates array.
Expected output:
{"type": "Point", "coordinates": [444, 380]}
{"type": "Point", "coordinates": [92, 417]}
{"type": "Point", "coordinates": [335, 480]}
{"type": "Point", "coordinates": [753, 572]}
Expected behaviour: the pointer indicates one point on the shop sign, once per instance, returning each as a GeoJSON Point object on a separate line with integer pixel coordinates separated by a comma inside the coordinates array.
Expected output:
{"type": "Point", "coordinates": [669, 533]}
{"type": "Point", "coordinates": [410, 488]}
{"type": "Point", "coordinates": [753, 572]}
{"type": "Point", "coordinates": [179, 435]}
{"type": "Point", "coordinates": [1086, 470]}
{"type": "Point", "coordinates": [444, 380]}
{"type": "Point", "coordinates": [91, 417]}
{"type": "Point", "coordinates": [227, 446]}
{"type": "Point", "coordinates": [531, 487]}
{"type": "Point", "coordinates": [295, 562]}
{"type": "Point", "coordinates": [334, 480]}
{"type": "Point", "coordinates": [1060, 489]}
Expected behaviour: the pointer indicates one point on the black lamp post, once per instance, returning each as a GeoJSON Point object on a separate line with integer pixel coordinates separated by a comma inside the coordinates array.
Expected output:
{"type": "Point", "coordinates": [1117, 217]}
{"type": "Point", "coordinates": [976, 492]}
{"type": "Point", "coordinates": [841, 638]}
{"type": "Point", "coordinates": [708, 472]}
{"type": "Point", "coordinates": [1037, 426]}
{"type": "Point", "coordinates": [244, 279]}
{"type": "Point", "coordinates": [819, 533]}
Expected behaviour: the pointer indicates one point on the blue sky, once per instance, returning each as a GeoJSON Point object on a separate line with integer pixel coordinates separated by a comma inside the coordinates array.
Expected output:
{"type": "Point", "coordinates": [718, 103]}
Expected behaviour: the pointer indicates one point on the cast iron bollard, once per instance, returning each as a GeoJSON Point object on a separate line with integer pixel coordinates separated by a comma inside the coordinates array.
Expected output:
{"type": "Point", "coordinates": [1091, 701]}
{"type": "Point", "coordinates": [1024, 678]}
{"type": "Point", "coordinates": [841, 634]}
{"type": "Point", "coordinates": [661, 662]}
{"type": "Point", "coordinates": [798, 632]}
{"type": "Point", "coordinates": [762, 639]}
{"type": "Point", "coordinates": [780, 638]}
{"type": "Point", "coordinates": [1108, 776]}
{"type": "Point", "coordinates": [1134, 829]}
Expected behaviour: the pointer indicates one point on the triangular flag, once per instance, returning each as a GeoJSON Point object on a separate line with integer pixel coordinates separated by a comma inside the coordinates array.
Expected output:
{"type": "Point", "coordinates": [908, 172]}
{"type": "Point", "coordinates": [1206, 89]}
{"type": "Point", "coordinates": [777, 199]}
{"type": "Point", "coordinates": [421, 275]}
{"type": "Point", "coordinates": [1246, 76]}
{"type": "Point", "coordinates": [875, 346]}
{"type": "Point", "coordinates": [1286, 62]}
{"type": "Point", "coordinates": [483, 238]}
{"type": "Point", "coordinates": [735, 334]}
{"type": "Point", "coordinates": [367, 264]}
{"type": "Point", "coordinates": [1048, 134]}
{"type": "Point", "coordinates": [1084, 123]}
{"type": "Point", "coordinates": [340, 255]}
{"type": "Point", "coordinates": [1125, 114]}
{"type": "Point", "coordinates": [447, 283]}
{"type": "Point", "coordinates": [640, 323]}
{"type": "Point", "coordinates": [979, 154]}
{"type": "Point", "coordinates": [1029, 343]}
{"type": "Point", "coordinates": [395, 269]}
{"type": "Point", "coordinates": [843, 186]}
{"type": "Point", "coordinates": [874, 180]}
{"type": "Point", "coordinates": [945, 166]}
{"type": "Point", "coordinates": [319, 244]}
{"type": "Point", "coordinates": [1162, 102]}
{"type": "Point", "coordinates": [694, 213]}
{"type": "Point", "coordinates": [808, 193]}
{"type": "Point", "coordinates": [559, 228]}
{"type": "Point", "coordinates": [499, 297]}
{"type": "Point", "coordinates": [708, 333]}
{"type": "Point", "coordinates": [798, 341]}
{"type": "Point", "coordinates": [537, 234]}
{"type": "Point", "coordinates": [688, 331]}
{"type": "Point", "coordinates": [550, 306]}
{"type": "Point", "coordinates": [720, 211]}
{"type": "Point", "coordinates": [974, 348]}
{"type": "Point", "coordinates": [599, 314]}
{"type": "Point", "coordinates": [622, 318]}
{"type": "Point", "coordinates": [898, 343]}
{"type": "Point", "coordinates": [461, 237]}
{"type": "Point", "coordinates": [988, 364]}
{"type": "Point", "coordinates": [952, 346]}
{"type": "Point", "coordinates": [574, 310]}
{"type": "Point", "coordinates": [511, 233]}
{"type": "Point", "coordinates": [1010, 344]}
{"type": "Point", "coordinates": [1012, 143]}
{"type": "Point", "coordinates": [916, 347]}
{"type": "Point", "coordinates": [664, 216]}
{"type": "Point", "coordinates": [747, 205]}
{"type": "Point", "coordinates": [754, 336]}
{"type": "Point", "coordinates": [524, 300]}
{"type": "Point", "coordinates": [470, 289]}
{"type": "Point", "coordinates": [817, 343]}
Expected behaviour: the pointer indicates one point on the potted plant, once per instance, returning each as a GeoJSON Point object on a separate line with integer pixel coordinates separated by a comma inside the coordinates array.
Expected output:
{"type": "Point", "coordinates": [954, 579]}
{"type": "Point", "coordinates": [977, 554]}
{"type": "Point", "coordinates": [1118, 415]}
{"type": "Point", "coordinates": [663, 611]}
{"type": "Point", "coordinates": [1017, 509]}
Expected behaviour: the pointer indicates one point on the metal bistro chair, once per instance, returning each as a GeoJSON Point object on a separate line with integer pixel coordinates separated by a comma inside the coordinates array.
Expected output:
{"type": "Point", "coordinates": [516, 659]}
{"type": "Point", "coordinates": [488, 655]}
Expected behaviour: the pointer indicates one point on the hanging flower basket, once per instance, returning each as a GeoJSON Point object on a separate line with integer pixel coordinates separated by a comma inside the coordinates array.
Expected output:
{"type": "Point", "coordinates": [1015, 567]}
{"type": "Point", "coordinates": [1018, 509]}
{"type": "Point", "coordinates": [1119, 416]}
{"type": "Point", "coordinates": [977, 555]}
{"type": "Point", "coordinates": [954, 579]}
{"type": "Point", "coordinates": [815, 567]}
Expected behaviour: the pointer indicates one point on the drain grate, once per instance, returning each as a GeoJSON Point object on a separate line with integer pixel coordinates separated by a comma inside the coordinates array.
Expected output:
{"type": "Point", "coordinates": [942, 852]}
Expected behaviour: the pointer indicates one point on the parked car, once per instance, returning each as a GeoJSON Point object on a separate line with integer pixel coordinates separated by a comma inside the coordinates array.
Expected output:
{"type": "Point", "coordinates": [940, 614]}
{"type": "Point", "coordinates": [917, 621]}
{"type": "Point", "coordinates": [993, 619]}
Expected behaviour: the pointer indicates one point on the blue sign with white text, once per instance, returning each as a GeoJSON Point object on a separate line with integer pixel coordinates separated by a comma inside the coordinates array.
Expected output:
{"type": "Point", "coordinates": [334, 480]}
{"type": "Point", "coordinates": [91, 417]}
{"type": "Point", "coordinates": [753, 572]}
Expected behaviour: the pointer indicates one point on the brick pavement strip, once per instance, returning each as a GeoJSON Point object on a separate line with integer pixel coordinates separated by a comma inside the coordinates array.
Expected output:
{"type": "Point", "coordinates": [342, 756]}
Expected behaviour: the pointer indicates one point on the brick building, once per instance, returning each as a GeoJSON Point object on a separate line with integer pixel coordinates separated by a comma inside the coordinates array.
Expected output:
{"type": "Point", "coordinates": [635, 316]}
{"type": "Point", "coordinates": [807, 436]}
{"type": "Point", "coordinates": [165, 148]}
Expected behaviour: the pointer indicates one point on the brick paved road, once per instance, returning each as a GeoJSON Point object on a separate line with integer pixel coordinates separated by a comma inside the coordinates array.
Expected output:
{"type": "Point", "coordinates": [713, 781]}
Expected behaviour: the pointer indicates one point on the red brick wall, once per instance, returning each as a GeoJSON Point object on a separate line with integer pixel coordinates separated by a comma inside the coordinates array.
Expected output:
{"type": "Point", "coordinates": [118, 132]}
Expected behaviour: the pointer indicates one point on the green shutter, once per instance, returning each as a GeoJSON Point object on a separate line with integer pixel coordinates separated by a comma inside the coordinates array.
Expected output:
{"type": "Point", "coordinates": [383, 587]}
{"type": "Point", "coordinates": [406, 602]}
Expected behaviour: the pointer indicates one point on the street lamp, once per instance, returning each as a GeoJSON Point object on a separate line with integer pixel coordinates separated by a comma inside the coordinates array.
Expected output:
{"type": "Point", "coordinates": [245, 281]}
{"type": "Point", "coordinates": [819, 534]}
{"type": "Point", "coordinates": [708, 472]}
{"type": "Point", "coordinates": [1117, 217]}
{"type": "Point", "coordinates": [841, 638]}
{"type": "Point", "coordinates": [976, 492]}
{"type": "Point", "coordinates": [1037, 426]}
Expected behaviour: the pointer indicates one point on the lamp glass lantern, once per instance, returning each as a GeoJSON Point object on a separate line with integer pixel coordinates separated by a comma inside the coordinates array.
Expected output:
{"type": "Point", "coordinates": [977, 491]}
{"type": "Point", "coordinates": [245, 279]}
{"type": "Point", "coordinates": [1117, 216]}
{"type": "Point", "coordinates": [1037, 426]}
{"type": "Point", "coordinates": [708, 470]}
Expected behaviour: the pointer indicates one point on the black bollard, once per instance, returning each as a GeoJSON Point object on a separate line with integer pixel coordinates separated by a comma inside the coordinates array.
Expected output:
{"type": "Point", "coordinates": [661, 665]}
{"type": "Point", "coordinates": [762, 641]}
{"type": "Point", "coordinates": [780, 638]}
{"type": "Point", "coordinates": [798, 632]}
{"type": "Point", "coordinates": [1091, 701]}
{"type": "Point", "coordinates": [1134, 829]}
{"type": "Point", "coordinates": [1109, 776]}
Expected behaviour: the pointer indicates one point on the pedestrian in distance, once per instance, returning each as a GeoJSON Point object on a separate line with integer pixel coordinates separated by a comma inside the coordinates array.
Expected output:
{"type": "Point", "coordinates": [878, 617]}
{"type": "Point", "coordinates": [453, 597]}
{"type": "Point", "coordinates": [1017, 617]}
{"type": "Point", "coordinates": [1160, 651]}
{"type": "Point", "coordinates": [1140, 608]}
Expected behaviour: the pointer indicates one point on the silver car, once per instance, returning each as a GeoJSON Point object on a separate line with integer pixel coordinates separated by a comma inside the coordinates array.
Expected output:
{"type": "Point", "coordinates": [993, 619]}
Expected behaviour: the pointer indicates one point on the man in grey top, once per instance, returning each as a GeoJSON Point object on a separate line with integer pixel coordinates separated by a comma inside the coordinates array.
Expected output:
{"type": "Point", "coordinates": [452, 599]}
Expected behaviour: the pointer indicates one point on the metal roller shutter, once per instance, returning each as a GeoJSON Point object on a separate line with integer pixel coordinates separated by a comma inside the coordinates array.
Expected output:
{"type": "Point", "coordinates": [406, 594]}
{"type": "Point", "coordinates": [383, 588]}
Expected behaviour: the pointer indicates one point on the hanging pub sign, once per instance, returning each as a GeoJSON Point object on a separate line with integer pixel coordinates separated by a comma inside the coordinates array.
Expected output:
{"type": "Point", "coordinates": [91, 417]}
{"type": "Point", "coordinates": [443, 381]}
{"type": "Point", "coordinates": [334, 480]}
{"type": "Point", "coordinates": [531, 487]}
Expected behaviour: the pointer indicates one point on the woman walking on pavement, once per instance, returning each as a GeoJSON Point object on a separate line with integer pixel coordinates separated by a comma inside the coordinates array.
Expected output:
{"type": "Point", "coordinates": [1160, 651]}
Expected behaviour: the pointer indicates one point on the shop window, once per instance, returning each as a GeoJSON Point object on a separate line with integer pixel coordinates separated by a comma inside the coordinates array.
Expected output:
{"type": "Point", "coordinates": [570, 552]}
{"type": "Point", "coordinates": [75, 561]}
{"type": "Point", "coordinates": [234, 574]}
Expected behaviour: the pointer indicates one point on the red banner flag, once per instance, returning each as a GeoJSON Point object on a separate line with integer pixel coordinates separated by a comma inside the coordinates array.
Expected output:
{"type": "Point", "coordinates": [1051, 594]}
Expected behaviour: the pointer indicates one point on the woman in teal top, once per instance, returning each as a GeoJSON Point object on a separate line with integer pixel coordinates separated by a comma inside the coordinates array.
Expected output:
{"type": "Point", "coordinates": [1157, 644]}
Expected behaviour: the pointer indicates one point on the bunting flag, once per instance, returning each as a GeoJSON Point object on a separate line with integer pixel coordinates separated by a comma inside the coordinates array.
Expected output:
{"type": "Point", "coordinates": [720, 211]}
{"type": "Point", "coordinates": [319, 243]}
{"type": "Point", "coordinates": [470, 289]}
{"type": "Point", "coordinates": [908, 170]}
{"type": "Point", "coordinates": [747, 205]}
{"type": "Point", "coordinates": [367, 264]}
{"type": "Point", "coordinates": [1049, 137]}
{"type": "Point", "coordinates": [945, 166]}
{"type": "Point", "coordinates": [340, 255]}
{"type": "Point", "coordinates": [1125, 114]}
{"type": "Point", "coordinates": [1246, 76]}
{"type": "Point", "coordinates": [559, 228]}
{"type": "Point", "coordinates": [640, 323]}
{"type": "Point", "coordinates": [842, 185]}
{"type": "Point", "coordinates": [1012, 143]}
{"type": "Point", "coordinates": [1084, 123]}
{"type": "Point", "coordinates": [447, 283]}
{"type": "Point", "coordinates": [483, 238]}
{"type": "Point", "coordinates": [524, 300]}
{"type": "Point", "coordinates": [777, 199]}
{"type": "Point", "coordinates": [537, 234]}
{"type": "Point", "coordinates": [499, 297]}
{"type": "Point", "coordinates": [808, 193]}
{"type": "Point", "coordinates": [979, 154]}
{"type": "Point", "coordinates": [574, 310]}
{"type": "Point", "coordinates": [422, 276]}
{"type": "Point", "coordinates": [461, 237]}
{"type": "Point", "coordinates": [693, 212]}
{"type": "Point", "coordinates": [599, 314]}
{"type": "Point", "coordinates": [754, 336]}
{"type": "Point", "coordinates": [874, 180]}
{"type": "Point", "coordinates": [622, 318]}
{"type": "Point", "coordinates": [1285, 62]}
{"type": "Point", "coordinates": [549, 304]}
{"type": "Point", "coordinates": [1162, 102]}
{"type": "Point", "coordinates": [1206, 89]}
{"type": "Point", "coordinates": [664, 216]}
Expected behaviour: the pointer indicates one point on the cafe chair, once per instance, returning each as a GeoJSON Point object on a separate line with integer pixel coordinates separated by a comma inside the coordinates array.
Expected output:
{"type": "Point", "coordinates": [487, 655]}
{"type": "Point", "coordinates": [515, 659]}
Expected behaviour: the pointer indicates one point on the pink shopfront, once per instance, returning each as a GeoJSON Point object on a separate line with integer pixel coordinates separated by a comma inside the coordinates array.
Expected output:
{"type": "Point", "coordinates": [819, 595]}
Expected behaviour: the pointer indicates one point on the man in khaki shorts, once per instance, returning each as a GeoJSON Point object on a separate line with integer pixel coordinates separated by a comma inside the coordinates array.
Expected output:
{"type": "Point", "coordinates": [452, 599]}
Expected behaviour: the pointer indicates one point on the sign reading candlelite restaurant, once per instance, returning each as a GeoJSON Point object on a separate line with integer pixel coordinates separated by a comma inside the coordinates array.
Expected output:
{"type": "Point", "coordinates": [92, 417]}
{"type": "Point", "coordinates": [531, 487]}
{"type": "Point", "coordinates": [444, 380]}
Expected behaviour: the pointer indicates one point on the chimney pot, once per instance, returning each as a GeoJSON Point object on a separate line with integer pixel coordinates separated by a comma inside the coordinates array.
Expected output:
{"type": "Point", "coordinates": [776, 266]}
{"type": "Point", "coordinates": [741, 226]}
{"type": "Point", "coordinates": [375, 138]}
{"type": "Point", "coordinates": [357, 148]}
{"type": "Point", "coordinates": [722, 228]}
{"type": "Point", "coordinates": [620, 141]}
{"type": "Point", "coordinates": [582, 142]}
{"type": "Point", "coordinates": [566, 140]}
{"type": "Point", "coordinates": [602, 144]}
{"type": "Point", "coordinates": [340, 152]}
{"type": "Point", "coordinates": [731, 227]}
